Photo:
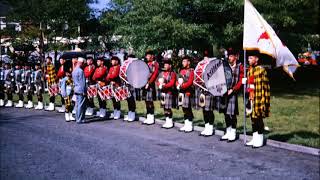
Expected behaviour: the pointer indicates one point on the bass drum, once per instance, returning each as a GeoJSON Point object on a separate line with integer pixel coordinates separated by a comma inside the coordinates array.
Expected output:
{"type": "Point", "coordinates": [210, 75]}
{"type": "Point", "coordinates": [135, 72]}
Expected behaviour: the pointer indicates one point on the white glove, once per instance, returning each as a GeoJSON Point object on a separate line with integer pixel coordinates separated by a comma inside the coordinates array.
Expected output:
{"type": "Point", "coordinates": [161, 80]}
{"type": "Point", "coordinates": [244, 80]}
{"type": "Point", "coordinates": [160, 86]}
{"type": "Point", "coordinates": [147, 85]}
{"type": "Point", "coordinates": [180, 81]}
{"type": "Point", "coordinates": [178, 87]}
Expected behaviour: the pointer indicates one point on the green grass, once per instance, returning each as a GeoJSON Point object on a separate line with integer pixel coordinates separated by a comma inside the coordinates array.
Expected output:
{"type": "Point", "coordinates": [294, 116]}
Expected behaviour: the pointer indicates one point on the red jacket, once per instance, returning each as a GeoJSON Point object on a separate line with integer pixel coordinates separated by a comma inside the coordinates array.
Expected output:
{"type": "Point", "coordinates": [238, 85]}
{"type": "Point", "coordinates": [88, 71]}
{"type": "Point", "coordinates": [100, 73]}
{"type": "Point", "coordinates": [113, 75]}
{"type": "Point", "coordinates": [154, 68]}
{"type": "Point", "coordinates": [169, 81]}
{"type": "Point", "coordinates": [188, 77]}
{"type": "Point", "coordinates": [60, 73]}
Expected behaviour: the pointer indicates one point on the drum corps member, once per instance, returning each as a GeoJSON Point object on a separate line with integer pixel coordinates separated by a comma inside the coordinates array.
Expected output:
{"type": "Point", "coordinates": [259, 96]}
{"type": "Point", "coordinates": [66, 91]}
{"type": "Point", "coordinates": [38, 85]}
{"type": "Point", "coordinates": [204, 99]}
{"type": "Point", "coordinates": [2, 79]}
{"type": "Point", "coordinates": [60, 75]}
{"type": "Point", "coordinates": [18, 82]}
{"type": "Point", "coordinates": [131, 100]}
{"type": "Point", "coordinates": [231, 110]}
{"type": "Point", "coordinates": [114, 80]}
{"type": "Point", "coordinates": [99, 77]}
{"type": "Point", "coordinates": [186, 93]}
{"type": "Point", "coordinates": [88, 73]}
{"type": "Point", "coordinates": [149, 89]}
{"type": "Point", "coordinates": [51, 83]}
{"type": "Point", "coordinates": [166, 84]}
{"type": "Point", "coordinates": [9, 83]}
{"type": "Point", "coordinates": [27, 86]}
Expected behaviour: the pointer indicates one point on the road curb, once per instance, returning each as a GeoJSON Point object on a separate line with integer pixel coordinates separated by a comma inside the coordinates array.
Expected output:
{"type": "Point", "coordinates": [270, 142]}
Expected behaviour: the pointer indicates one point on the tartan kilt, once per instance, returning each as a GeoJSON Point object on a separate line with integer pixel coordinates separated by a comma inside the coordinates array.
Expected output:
{"type": "Point", "coordinates": [150, 93]}
{"type": "Point", "coordinates": [228, 105]}
{"type": "Point", "coordinates": [210, 101]}
{"type": "Point", "coordinates": [188, 101]}
{"type": "Point", "coordinates": [169, 101]}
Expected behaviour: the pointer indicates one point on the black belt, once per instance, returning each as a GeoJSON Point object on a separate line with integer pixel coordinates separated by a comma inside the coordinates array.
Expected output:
{"type": "Point", "coordinates": [79, 94]}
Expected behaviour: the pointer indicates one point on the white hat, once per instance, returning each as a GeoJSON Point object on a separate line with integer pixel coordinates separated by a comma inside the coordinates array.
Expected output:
{"type": "Point", "coordinates": [81, 59]}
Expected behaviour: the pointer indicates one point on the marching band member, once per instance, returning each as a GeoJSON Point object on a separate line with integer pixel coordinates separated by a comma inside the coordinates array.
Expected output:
{"type": "Point", "coordinates": [51, 80]}
{"type": "Point", "coordinates": [207, 103]}
{"type": "Point", "coordinates": [88, 73]}
{"type": "Point", "coordinates": [149, 89]}
{"type": "Point", "coordinates": [230, 100]}
{"type": "Point", "coordinates": [38, 85]}
{"type": "Point", "coordinates": [99, 76]}
{"type": "Point", "coordinates": [259, 96]}
{"type": "Point", "coordinates": [18, 82]}
{"type": "Point", "coordinates": [2, 81]}
{"type": "Point", "coordinates": [166, 84]}
{"type": "Point", "coordinates": [60, 75]}
{"type": "Point", "coordinates": [186, 92]}
{"type": "Point", "coordinates": [26, 80]}
{"type": "Point", "coordinates": [231, 110]}
{"type": "Point", "coordinates": [9, 83]}
{"type": "Point", "coordinates": [131, 101]}
{"type": "Point", "coordinates": [114, 79]}
{"type": "Point", "coordinates": [66, 91]}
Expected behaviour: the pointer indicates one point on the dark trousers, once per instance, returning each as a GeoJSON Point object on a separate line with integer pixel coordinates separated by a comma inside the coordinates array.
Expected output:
{"type": "Point", "coordinates": [116, 104]}
{"type": "Point", "coordinates": [29, 96]}
{"type": "Point", "coordinates": [168, 113]}
{"type": "Point", "coordinates": [52, 99]}
{"type": "Point", "coordinates": [257, 125]}
{"type": "Point", "coordinates": [20, 94]}
{"type": "Point", "coordinates": [62, 100]}
{"type": "Point", "coordinates": [90, 102]}
{"type": "Point", "coordinates": [231, 120]}
{"type": "Point", "coordinates": [2, 91]}
{"type": "Point", "coordinates": [102, 104]}
{"type": "Point", "coordinates": [131, 104]}
{"type": "Point", "coordinates": [208, 117]}
{"type": "Point", "coordinates": [187, 113]}
{"type": "Point", "coordinates": [9, 94]}
{"type": "Point", "coordinates": [150, 107]}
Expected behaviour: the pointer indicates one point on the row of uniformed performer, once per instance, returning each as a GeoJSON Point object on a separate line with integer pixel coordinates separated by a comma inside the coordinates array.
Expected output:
{"type": "Point", "coordinates": [188, 96]}
{"type": "Point", "coordinates": [168, 82]}
{"type": "Point", "coordinates": [23, 80]}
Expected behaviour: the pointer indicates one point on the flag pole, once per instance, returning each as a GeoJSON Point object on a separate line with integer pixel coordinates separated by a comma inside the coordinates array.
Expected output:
{"type": "Point", "coordinates": [244, 96]}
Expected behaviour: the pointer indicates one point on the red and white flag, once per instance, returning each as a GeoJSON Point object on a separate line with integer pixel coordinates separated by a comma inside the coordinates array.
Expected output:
{"type": "Point", "coordinates": [259, 35]}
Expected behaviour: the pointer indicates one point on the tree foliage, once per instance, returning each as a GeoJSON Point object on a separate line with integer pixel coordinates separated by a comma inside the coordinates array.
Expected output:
{"type": "Point", "coordinates": [199, 24]}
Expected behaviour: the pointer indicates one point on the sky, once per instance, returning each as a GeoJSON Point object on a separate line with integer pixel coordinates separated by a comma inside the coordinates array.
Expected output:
{"type": "Point", "coordinates": [100, 5]}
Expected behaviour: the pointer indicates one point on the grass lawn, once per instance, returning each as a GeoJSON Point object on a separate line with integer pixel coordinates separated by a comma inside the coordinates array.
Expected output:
{"type": "Point", "coordinates": [294, 116]}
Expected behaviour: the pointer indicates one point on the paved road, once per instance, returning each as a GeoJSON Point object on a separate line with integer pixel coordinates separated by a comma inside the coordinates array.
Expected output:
{"type": "Point", "coordinates": [40, 145]}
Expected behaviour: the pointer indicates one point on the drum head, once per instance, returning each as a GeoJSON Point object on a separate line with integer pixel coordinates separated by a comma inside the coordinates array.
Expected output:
{"type": "Point", "coordinates": [214, 78]}
{"type": "Point", "coordinates": [138, 73]}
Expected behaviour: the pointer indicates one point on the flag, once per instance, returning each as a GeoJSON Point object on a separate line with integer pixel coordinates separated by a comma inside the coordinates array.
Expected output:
{"type": "Point", "coordinates": [259, 35]}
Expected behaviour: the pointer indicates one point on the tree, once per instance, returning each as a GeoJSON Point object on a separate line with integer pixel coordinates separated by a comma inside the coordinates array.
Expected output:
{"type": "Point", "coordinates": [199, 24]}
{"type": "Point", "coordinates": [49, 17]}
